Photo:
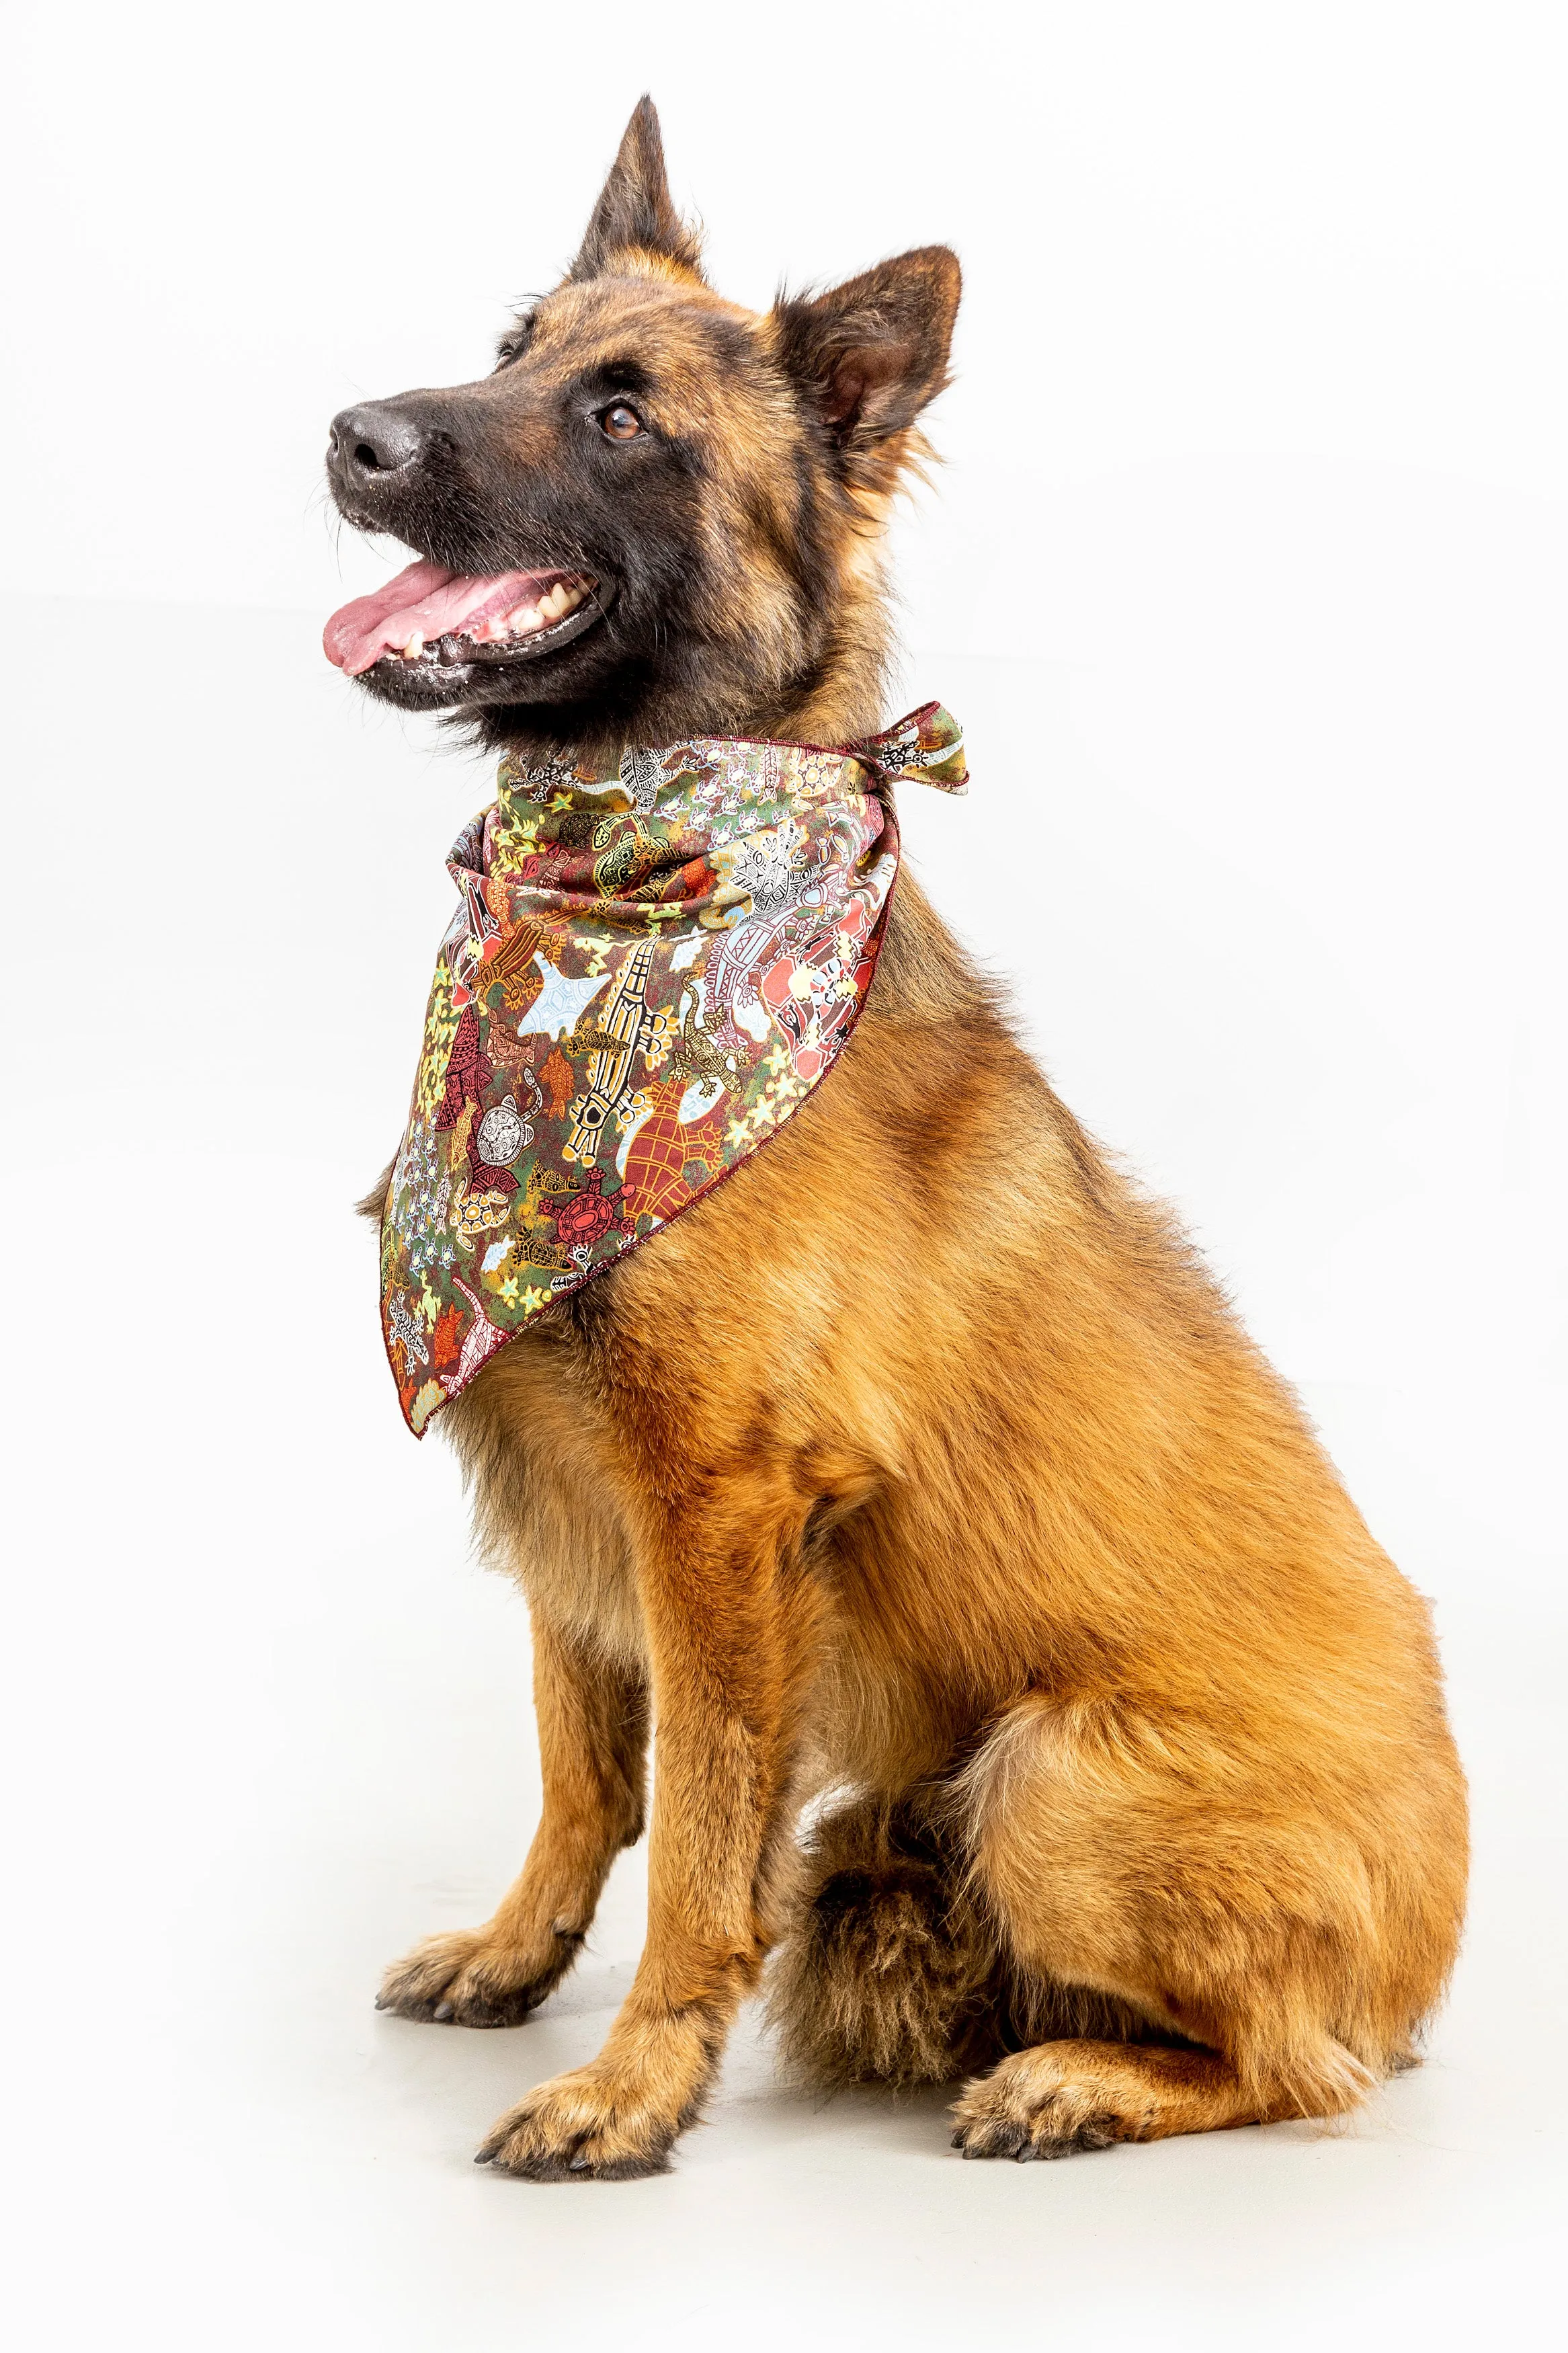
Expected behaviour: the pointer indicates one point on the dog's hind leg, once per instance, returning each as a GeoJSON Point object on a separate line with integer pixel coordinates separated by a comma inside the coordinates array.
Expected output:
{"type": "Point", "coordinates": [887, 1971]}
{"type": "Point", "coordinates": [592, 1739]}
{"type": "Point", "coordinates": [1273, 1960]}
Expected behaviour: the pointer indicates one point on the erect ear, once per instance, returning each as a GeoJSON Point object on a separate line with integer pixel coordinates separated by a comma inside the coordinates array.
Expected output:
{"type": "Point", "coordinates": [634, 214]}
{"type": "Point", "coordinates": [869, 354]}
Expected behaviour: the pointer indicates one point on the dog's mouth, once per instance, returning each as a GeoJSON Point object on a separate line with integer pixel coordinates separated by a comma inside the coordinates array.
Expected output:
{"type": "Point", "coordinates": [431, 621]}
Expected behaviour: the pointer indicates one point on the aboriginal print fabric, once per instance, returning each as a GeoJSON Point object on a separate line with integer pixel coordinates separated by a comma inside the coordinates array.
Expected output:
{"type": "Point", "coordinates": [648, 971]}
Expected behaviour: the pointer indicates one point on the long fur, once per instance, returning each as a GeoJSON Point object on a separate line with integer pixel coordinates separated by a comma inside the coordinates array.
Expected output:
{"type": "Point", "coordinates": [923, 1462]}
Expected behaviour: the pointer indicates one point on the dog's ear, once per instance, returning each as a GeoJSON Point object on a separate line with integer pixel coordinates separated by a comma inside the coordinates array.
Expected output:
{"type": "Point", "coordinates": [635, 215]}
{"type": "Point", "coordinates": [867, 356]}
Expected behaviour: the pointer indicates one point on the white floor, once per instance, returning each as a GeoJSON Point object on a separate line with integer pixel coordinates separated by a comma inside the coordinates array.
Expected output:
{"type": "Point", "coordinates": [269, 1724]}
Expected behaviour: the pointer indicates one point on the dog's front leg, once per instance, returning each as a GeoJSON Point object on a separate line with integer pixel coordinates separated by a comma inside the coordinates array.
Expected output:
{"type": "Point", "coordinates": [592, 1736]}
{"type": "Point", "coordinates": [728, 1626]}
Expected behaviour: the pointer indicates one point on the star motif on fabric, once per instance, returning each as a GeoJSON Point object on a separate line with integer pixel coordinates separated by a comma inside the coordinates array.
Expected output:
{"type": "Point", "coordinates": [561, 1003]}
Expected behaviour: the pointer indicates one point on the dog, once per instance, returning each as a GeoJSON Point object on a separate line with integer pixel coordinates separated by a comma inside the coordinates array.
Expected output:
{"type": "Point", "coordinates": [1026, 1685]}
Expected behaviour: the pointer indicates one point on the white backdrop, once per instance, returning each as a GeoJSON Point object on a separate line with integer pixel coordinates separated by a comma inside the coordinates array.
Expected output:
{"type": "Point", "coordinates": [1245, 573]}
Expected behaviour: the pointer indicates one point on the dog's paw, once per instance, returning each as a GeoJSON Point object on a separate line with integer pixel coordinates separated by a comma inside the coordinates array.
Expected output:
{"type": "Point", "coordinates": [1035, 2106]}
{"type": "Point", "coordinates": [593, 2125]}
{"type": "Point", "coordinates": [470, 1978]}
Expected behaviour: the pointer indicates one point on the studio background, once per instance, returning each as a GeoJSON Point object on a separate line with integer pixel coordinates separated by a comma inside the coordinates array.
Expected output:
{"type": "Point", "coordinates": [1245, 574]}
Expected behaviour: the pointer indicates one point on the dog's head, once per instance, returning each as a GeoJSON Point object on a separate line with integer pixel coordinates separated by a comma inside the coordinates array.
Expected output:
{"type": "Point", "coordinates": [661, 514]}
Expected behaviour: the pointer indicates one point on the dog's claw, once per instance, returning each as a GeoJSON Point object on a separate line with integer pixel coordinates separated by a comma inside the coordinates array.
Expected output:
{"type": "Point", "coordinates": [443, 2011]}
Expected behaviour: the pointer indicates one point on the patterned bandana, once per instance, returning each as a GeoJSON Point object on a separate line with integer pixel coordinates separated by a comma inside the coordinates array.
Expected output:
{"type": "Point", "coordinates": [648, 973]}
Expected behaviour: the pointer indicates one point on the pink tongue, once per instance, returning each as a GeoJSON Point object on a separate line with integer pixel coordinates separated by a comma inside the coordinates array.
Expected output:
{"type": "Point", "coordinates": [426, 600]}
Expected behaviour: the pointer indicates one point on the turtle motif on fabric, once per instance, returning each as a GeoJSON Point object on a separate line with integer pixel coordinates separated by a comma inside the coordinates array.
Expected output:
{"type": "Point", "coordinates": [585, 1217]}
{"type": "Point", "coordinates": [506, 1129]}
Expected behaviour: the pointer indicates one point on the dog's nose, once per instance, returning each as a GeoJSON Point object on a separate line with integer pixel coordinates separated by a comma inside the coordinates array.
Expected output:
{"type": "Point", "coordinates": [373, 440]}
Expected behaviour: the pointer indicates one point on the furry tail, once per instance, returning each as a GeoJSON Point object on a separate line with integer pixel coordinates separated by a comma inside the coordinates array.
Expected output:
{"type": "Point", "coordinates": [884, 1973]}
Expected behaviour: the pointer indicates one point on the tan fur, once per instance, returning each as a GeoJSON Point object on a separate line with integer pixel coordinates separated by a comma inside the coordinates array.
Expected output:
{"type": "Point", "coordinates": [923, 1463]}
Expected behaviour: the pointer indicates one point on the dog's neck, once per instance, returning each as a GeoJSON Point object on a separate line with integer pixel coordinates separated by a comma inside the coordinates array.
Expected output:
{"type": "Point", "coordinates": [837, 695]}
{"type": "Point", "coordinates": [847, 699]}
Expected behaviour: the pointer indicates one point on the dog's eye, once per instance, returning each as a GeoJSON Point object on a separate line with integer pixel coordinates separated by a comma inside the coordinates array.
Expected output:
{"type": "Point", "coordinates": [620, 423]}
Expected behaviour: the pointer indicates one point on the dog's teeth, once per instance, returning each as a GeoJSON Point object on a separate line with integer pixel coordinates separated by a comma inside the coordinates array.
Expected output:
{"type": "Point", "coordinates": [525, 618]}
{"type": "Point", "coordinates": [415, 648]}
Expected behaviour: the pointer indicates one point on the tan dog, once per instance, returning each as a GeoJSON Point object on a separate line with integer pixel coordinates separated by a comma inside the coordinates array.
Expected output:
{"type": "Point", "coordinates": [922, 1469]}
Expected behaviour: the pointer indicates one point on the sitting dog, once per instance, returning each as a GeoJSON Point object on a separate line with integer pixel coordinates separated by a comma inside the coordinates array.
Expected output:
{"type": "Point", "coordinates": [918, 1484]}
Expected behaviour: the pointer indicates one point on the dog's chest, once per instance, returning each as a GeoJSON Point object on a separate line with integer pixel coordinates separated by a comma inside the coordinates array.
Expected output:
{"type": "Point", "coordinates": [543, 1456]}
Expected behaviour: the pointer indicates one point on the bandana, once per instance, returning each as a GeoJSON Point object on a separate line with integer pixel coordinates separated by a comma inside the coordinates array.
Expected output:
{"type": "Point", "coordinates": [648, 972]}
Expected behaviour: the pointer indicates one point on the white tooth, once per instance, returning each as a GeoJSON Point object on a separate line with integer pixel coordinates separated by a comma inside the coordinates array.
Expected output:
{"type": "Point", "coordinates": [525, 618]}
{"type": "Point", "coordinates": [551, 606]}
{"type": "Point", "coordinates": [415, 648]}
